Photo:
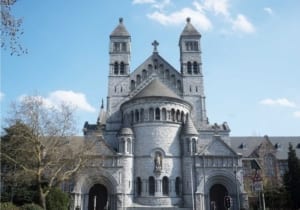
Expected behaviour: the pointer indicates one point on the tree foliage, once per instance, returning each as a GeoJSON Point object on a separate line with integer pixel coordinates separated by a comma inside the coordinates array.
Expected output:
{"type": "Point", "coordinates": [11, 29]}
{"type": "Point", "coordinates": [292, 178]}
{"type": "Point", "coordinates": [39, 144]}
{"type": "Point", "coordinates": [57, 200]}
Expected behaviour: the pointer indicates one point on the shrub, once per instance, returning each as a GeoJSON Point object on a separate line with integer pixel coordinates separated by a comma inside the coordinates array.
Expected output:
{"type": "Point", "coordinates": [8, 206]}
{"type": "Point", "coordinates": [57, 200]}
{"type": "Point", "coordinates": [31, 206]}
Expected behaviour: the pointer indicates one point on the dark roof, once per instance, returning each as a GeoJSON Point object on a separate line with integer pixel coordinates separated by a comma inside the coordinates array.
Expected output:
{"type": "Point", "coordinates": [247, 144]}
{"type": "Point", "coordinates": [156, 88]}
{"type": "Point", "coordinates": [189, 128]}
{"type": "Point", "coordinates": [189, 29]}
{"type": "Point", "coordinates": [120, 30]}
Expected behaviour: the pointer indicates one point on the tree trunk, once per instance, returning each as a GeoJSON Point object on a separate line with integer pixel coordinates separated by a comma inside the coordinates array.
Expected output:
{"type": "Point", "coordinates": [42, 197]}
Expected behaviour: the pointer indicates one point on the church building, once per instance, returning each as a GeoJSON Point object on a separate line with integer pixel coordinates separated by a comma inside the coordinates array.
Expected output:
{"type": "Point", "coordinates": [157, 149]}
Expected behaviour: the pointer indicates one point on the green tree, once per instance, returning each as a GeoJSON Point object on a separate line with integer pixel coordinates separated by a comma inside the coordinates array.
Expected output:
{"type": "Point", "coordinates": [57, 200]}
{"type": "Point", "coordinates": [292, 178]}
{"type": "Point", "coordinates": [39, 142]}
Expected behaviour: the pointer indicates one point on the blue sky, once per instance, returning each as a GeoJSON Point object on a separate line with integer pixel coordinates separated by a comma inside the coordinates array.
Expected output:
{"type": "Point", "coordinates": [250, 55]}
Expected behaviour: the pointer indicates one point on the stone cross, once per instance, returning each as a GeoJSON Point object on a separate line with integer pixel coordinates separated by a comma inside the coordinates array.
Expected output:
{"type": "Point", "coordinates": [155, 44]}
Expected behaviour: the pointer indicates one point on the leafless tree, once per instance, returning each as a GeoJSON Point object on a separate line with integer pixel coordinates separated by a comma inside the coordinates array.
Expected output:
{"type": "Point", "coordinates": [41, 143]}
{"type": "Point", "coordinates": [11, 29]}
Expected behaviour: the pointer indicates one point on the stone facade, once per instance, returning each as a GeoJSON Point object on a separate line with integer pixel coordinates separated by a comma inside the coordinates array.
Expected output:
{"type": "Point", "coordinates": [156, 148]}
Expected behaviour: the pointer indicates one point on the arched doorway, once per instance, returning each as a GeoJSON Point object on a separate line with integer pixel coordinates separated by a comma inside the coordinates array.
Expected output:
{"type": "Point", "coordinates": [97, 197]}
{"type": "Point", "coordinates": [216, 194]}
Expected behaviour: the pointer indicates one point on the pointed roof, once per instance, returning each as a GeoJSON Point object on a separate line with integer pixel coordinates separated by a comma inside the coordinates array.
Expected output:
{"type": "Point", "coordinates": [120, 30]}
{"type": "Point", "coordinates": [102, 115]}
{"type": "Point", "coordinates": [156, 88]}
{"type": "Point", "coordinates": [189, 128]}
{"type": "Point", "coordinates": [189, 29]}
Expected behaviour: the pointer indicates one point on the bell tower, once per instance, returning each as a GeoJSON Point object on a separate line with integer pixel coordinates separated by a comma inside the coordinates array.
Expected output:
{"type": "Point", "coordinates": [119, 68]}
{"type": "Point", "coordinates": [191, 70]}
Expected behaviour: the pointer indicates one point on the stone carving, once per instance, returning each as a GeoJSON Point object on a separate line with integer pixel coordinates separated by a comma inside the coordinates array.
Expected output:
{"type": "Point", "coordinates": [157, 162]}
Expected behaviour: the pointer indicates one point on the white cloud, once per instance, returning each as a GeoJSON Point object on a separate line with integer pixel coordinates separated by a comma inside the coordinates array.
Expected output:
{"type": "Point", "coordinates": [197, 16]}
{"type": "Point", "coordinates": [268, 10]}
{"type": "Point", "coordinates": [1, 95]}
{"type": "Point", "coordinates": [75, 99]}
{"type": "Point", "coordinates": [242, 24]}
{"type": "Point", "coordinates": [278, 102]}
{"type": "Point", "coordinates": [143, 1]}
{"type": "Point", "coordinates": [160, 5]}
{"type": "Point", "coordinates": [296, 114]}
{"type": "Point", "coordinates": [217, 6]}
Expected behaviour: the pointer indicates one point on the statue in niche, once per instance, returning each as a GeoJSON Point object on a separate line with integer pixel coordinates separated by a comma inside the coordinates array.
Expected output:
{"type": "Point", "coordinates": [157, 162]}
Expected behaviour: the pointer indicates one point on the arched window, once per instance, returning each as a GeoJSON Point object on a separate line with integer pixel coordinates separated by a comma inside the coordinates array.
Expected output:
{"type": "Point", "coordinates": [151, 185]}
{"type": "Point", "coordinates": [131, 117]}
{"type": "Point", "coordinates": [164, 114]}
{"type": "Point", "coordinates": [122, 68]}
{"type": "Point", "coordinates": [178, 84]}
{"type": "Point", "coordinates": [269, 165]}
{"type": "Point", "coordinates": [116, 68]}
{"type": "Point", "coordinates": [195, 67]}
{"type": "Point", "coordinates": [138, 79]}
{"type": "Point", "coordinates": [142, 115]}
{"type": "Point", "coordinates": [173, 114]}
{"type": "Point", "coordinates": [138, 186]}
{"type": "Point", "coordinates": [189, 67]}
{"type": "Point", "coordinates": [150, 67]}
{"type": "Point", "coordinates": [194, 146]}
{"type": "Point", "coordinates": [157, 114]}
{"type": "Point", "coordinates": [129, 146]}
{"type": "Point", "coordinates": [182, 117]}
{"type": "Point", "coordinates": [137, 116]}
{"type": "Point", "coordinates": [151, 114]}
{"type": "Point", "coordinates": [132, 84]}
{"type": "Point", "coordinates": [177, 185]}
{"type": "Point", "coordinates": [178, 116]}
{"type": "Point", "coordinates": [173, 79]}
{"type": "Point", "coordinates": [167, 74]}
{"type": "Point", "coordinates": [165, 185]}
{"type": "Point", "coordinates": [144, 74]}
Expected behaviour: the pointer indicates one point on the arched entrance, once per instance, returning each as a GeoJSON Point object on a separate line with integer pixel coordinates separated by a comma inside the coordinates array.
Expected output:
{"type": "Point", "coordinates": [97, 197]}
{"type": "Point", "coordinates": [216, 194]}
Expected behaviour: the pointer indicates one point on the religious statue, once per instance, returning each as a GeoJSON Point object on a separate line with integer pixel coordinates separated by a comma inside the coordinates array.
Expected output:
{"type": "Point", "coordinates": [157, 162]}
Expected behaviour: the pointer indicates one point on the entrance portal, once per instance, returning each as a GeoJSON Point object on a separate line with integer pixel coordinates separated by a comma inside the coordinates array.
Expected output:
{"type": "Point", "coordinates": [97, 197]}
{"type": "Point", "coordinates": [216, 194]}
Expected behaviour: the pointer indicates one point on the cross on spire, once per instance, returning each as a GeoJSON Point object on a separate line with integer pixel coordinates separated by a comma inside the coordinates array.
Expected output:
{"type": "Point", "coordinates": [155, 44]}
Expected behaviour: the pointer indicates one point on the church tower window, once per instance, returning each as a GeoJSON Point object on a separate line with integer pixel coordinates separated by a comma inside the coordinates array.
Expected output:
{"type": "Point", "coordinates": [122, 68]}
{"type": "Point", "coordinates": [116, 68]}
{"type": "Point", "coordinates": [165, 185]}
{"type": "Point", "coordinates": [151, 185]}
{"type": "Point", "coordinates": [124, 47]}
{"type": "Point", "coordinates": [195, 67]}
{"type": "Point", "coordinates": [189, 67]}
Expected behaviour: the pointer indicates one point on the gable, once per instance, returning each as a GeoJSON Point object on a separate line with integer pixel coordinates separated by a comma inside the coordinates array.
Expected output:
{"type": "Point", "coordinates": [218, 147]}
{"type": "Point", "coordinates": [155, 67]}
{"type": "Point", "coordinates": [102, 148]}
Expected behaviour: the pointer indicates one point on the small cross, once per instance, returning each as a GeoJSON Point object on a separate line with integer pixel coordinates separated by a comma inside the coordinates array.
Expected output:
{"type": "Point", "coordinates": [155, 44]}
